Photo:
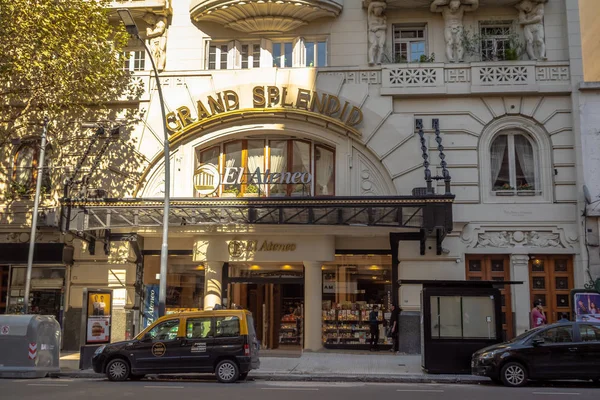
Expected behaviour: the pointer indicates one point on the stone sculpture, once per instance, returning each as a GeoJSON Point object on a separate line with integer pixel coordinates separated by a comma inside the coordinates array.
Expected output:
{"type": "Point", "coordinates": [531, 16]}
{"type": "Point", "coordinates": [453, 12]}
{"type": "Point", "coordinates": [377, 31]}
{"type": "Point", "coordinates": [156, 34]}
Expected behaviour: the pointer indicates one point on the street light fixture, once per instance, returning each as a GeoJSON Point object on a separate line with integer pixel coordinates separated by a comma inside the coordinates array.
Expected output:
{"type": "Point", "coordinates": [132, 29]}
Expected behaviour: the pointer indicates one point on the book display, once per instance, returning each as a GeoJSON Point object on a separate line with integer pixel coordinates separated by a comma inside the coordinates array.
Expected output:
{"type": "Point", "coordinates": [289, 330]}
{"type": "Point", "coordinates": [346, 325]}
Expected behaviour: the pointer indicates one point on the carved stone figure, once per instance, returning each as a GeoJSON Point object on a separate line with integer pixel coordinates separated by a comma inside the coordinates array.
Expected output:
{"type": "Point", "coordinates": [494, 239]}
{"type": "Point", "coordinates": [377, 31]}
{"type": "Point", "coordinates": [453, 12]}
{"type": "Point", "coordinates": [537, 239]}
{"type": "Point", "coordinates": [531, 16]}
{"type": "Point", "coordinates": [156, 34]}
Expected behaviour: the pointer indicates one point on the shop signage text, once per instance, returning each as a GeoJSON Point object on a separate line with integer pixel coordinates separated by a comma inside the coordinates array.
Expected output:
{"type": "Point", "coordinates": [238, 247]}
{"type": "Point", "coordinates": [268, 97]}
{"type": "Point", "coordinates": [207, 178]}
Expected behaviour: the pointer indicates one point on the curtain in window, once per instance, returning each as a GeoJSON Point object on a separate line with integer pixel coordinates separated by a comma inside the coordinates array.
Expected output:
{"type": "Point", "coordinates": [278, 162]}
{"type": "Point", "coordinates": [497, 156]}
{"type": "Point", "coordinates": [301, 163]}
{"type": "Point", "coordinates": [324, 171]}
{"type": "Point", "coordinates": [256, 159]}
{"type": "Point", "coordinates": [526, 160]}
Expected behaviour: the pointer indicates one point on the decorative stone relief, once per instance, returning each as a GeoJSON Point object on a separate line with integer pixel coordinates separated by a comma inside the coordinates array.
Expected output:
{"type": "Point", "coordinates": [453, 12]}
{"type": "Point", "coordinates": [531, 16]}
{"type": "Point", "coordinates": [457, 75]}
{"type": "Point", "coordinates": [559, 73]}
{"type": "Point", "coordinates": [503, 75]}
{"type": "Point", "coordinates": [370, 77]}
{"type": "Point", "coordinates": [555, 238]}
{"type": "Point", "coordinates": [412, 76]}
{"type": "Point", "coordinates": [156, 33]}
{"type": "Point", "coordinates": [368, 181]}
{"type": "Point", "coordinates": [377, 31]}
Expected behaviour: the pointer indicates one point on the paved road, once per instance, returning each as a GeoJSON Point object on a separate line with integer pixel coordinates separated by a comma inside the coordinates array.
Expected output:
{"type": "Point", "coordinates": [77, 389]}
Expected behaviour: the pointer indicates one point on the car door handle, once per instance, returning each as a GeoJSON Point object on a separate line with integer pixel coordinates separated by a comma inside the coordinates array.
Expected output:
{"type": "Point", "coordinates": [572, 349]}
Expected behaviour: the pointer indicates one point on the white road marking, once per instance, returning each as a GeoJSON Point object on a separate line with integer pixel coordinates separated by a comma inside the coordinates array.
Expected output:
{"type": "Point", "coordinates": [164, 387]}
{"type": "Point", "coordinates": [47, 384]}
{"type": "Point", "coordinates": [291, 388]}
{"type": "Point", "coordinates": [559, 393]}
{"type": "Point", "coordinates": [420, 390]}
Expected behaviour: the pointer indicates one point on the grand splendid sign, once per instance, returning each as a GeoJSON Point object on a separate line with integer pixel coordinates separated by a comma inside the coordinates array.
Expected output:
{"type": "Point", "coordinates": [265, 97]}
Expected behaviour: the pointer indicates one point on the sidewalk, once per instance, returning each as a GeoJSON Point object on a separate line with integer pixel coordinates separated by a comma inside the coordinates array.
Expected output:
{"type": "Point", "coordinates": [322, 366]}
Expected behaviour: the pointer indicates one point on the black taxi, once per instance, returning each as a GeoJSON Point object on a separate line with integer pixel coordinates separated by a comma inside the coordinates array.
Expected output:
{"type": "Point", "coordinates": [222, 342]}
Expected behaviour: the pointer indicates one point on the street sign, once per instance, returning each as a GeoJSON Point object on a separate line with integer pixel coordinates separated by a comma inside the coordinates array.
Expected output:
{"type": "Point", "coordinates": [5, 330]}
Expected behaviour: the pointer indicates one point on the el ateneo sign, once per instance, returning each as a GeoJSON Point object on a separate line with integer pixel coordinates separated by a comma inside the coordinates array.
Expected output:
{"type": "Point", "coordinates": [207, 178]}
{"type": "Point", "coordinates": [268, 97]}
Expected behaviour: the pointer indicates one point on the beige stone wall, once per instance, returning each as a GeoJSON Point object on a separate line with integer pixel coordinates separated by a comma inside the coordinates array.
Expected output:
{"type": "Point", "coordinates": [589, 11]}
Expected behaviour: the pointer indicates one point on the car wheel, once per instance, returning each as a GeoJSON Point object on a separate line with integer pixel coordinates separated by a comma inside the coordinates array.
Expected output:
{"type": "Point", "coordinates": [513, 374]}
{"type": "Point", "coordinates": [243, 376]}
{"type": "Point", "coordinates": [117, 370]}
{"type": "Point", "coordinates": [227, 371]}
{"type": "Point", "coordinates": [136, 377]}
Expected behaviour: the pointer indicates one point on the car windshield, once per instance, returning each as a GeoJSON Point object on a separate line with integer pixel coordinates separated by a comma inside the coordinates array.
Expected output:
{"type": "Point", "coordinates": [525, 334]}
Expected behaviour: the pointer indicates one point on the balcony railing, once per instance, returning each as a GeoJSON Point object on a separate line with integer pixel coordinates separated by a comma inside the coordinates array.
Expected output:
{"type": "Point", "coordinates": [479, 77]}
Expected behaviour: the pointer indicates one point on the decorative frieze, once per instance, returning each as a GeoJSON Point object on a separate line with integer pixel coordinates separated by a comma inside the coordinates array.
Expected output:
{"type": "Point", "coordinates": [550, 238]}
{"type": "Point", "coordinates": [372, 77]}
{"type": "Point", "coordinates": [412, 76]}
{"type": "Point", "coordinates": [556, 73]}
{"type": "Point", "coordinates": [503, 75]}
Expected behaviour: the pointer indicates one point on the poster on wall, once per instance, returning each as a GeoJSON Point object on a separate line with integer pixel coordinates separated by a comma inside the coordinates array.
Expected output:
{"type": "Point", "coordinates": [150, 313]}
{"type": "Point", "coordinates": [586, 305]}
{"type": "Point", "coordinates": [98, 316]}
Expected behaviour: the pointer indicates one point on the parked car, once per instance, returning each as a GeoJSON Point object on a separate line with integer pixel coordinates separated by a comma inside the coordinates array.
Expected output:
{"type": "Point", "coordinates": [565, 350]}
{"type": "Point", "coordinates": [222, 342]}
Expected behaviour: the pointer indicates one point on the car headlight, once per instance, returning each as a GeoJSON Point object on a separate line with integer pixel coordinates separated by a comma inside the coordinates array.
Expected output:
{"type": "Point", "coordinates": [488, 355]}
{"type": "Point", "coordinates": [99, 350]}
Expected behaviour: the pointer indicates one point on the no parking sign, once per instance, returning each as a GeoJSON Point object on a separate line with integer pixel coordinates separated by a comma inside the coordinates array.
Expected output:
{"type": "Point", "coordinates": [5, 330]}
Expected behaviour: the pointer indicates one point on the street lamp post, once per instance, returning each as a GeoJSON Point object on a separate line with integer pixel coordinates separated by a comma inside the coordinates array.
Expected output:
{"type": "Point", "coordinates": [36, 204]}
{"type": "Point", "coordinates": [132, 29]}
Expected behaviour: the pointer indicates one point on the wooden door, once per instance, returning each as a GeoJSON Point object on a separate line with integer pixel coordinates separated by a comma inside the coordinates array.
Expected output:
{"type": "Point", "coordinates": [551, 280]}
{"type": "Point", "coordinates": [494, 268]}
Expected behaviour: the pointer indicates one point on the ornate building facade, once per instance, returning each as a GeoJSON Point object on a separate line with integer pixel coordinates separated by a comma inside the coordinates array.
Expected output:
{"type": "Point", "coordinates": [298, 133]}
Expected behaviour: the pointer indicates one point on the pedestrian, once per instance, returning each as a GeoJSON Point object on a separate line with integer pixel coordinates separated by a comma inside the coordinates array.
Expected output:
{"type": "Point", "coordinates": [537, 315]}
{"type": "Point", "coordinates": [394, 325]}
{"type": "Point", "coordinates": [374, 326]}
{"type": "Point", "coordinates": [563, 317]}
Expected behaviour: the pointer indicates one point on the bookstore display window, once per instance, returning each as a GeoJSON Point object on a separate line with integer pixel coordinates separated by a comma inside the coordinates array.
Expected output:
{"type": "Point", "coordinates": [352, 285]}
{"type": "Point", "coordinates": [185, 282]}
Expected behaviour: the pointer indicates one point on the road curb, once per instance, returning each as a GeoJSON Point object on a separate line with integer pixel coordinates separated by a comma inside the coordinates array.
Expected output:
{"type": "Point", "coordinates": [404, 378]}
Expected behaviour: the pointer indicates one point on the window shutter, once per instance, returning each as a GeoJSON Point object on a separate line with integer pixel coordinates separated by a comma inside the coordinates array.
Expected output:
{"type": "Point", "coordinates": [266, 53]}
{"type": "Point", "coordinates": [299, 54]}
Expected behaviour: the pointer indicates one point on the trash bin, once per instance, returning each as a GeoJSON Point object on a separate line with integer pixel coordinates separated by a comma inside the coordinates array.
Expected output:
{"type": "Point", "coordinates": [29, 346]}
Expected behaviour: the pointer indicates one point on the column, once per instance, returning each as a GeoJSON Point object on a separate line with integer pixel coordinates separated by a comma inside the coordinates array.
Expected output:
{"type": "Point", "coordinates": [313, 295]}
{"type": "Point", "coordinates": [521, 300]}
{"type": "Point", "coordinates": [213, 284]}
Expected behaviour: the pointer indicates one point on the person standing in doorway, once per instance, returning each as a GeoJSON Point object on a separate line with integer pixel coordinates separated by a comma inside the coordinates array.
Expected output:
{"type": "Point", "coordinates": [394, 325]}
{"type": "Point", "coordinates": [537, 315]}
{"type": "Point", "coordinates": [374, 326]}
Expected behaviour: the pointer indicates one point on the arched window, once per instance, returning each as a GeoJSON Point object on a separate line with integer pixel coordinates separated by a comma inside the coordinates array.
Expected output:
{"type": "Point", "coordinates": [25, 167]}
{"type": "Point", "coordinates": [271, 167]}
{"type": "Point", "coordinates": [513, 164]}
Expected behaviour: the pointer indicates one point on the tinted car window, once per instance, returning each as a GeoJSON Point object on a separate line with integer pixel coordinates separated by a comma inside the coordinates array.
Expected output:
{"type": "Point", "coordinates": [165, 330]}
{"type": "Point", "coordinates": [589, 333]}
{"type": "Point", "coordinates": [199, 328]}
{"type": "Point", "coordinates": [227, 326]}
{"type": "Point", "coordinates": [559, 334]}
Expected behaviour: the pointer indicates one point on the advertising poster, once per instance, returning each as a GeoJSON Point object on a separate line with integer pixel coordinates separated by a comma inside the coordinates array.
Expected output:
{"type": "Point", "coordinates": [99, 304]}
{"type": "Point", "coordinates": [586, 306]}
{"type": "Point", "coordinates": [150, 313]}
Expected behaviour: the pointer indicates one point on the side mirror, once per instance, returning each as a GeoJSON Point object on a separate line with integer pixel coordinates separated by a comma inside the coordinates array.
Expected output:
{"type": "Point", "coordinates": [537, 341]}
{"type": "Point", "coordinates": [146, 338]}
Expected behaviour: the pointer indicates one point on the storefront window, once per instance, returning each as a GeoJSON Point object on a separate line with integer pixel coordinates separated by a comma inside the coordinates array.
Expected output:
{"type": "Point", "coordinates": [352, 285]}
{"type": "Point", "coordinates": [271, 168]}
{"type": "Point", "coordinates": [185, 285]}
{"type": "Point", "coordinates": [47, 291]}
